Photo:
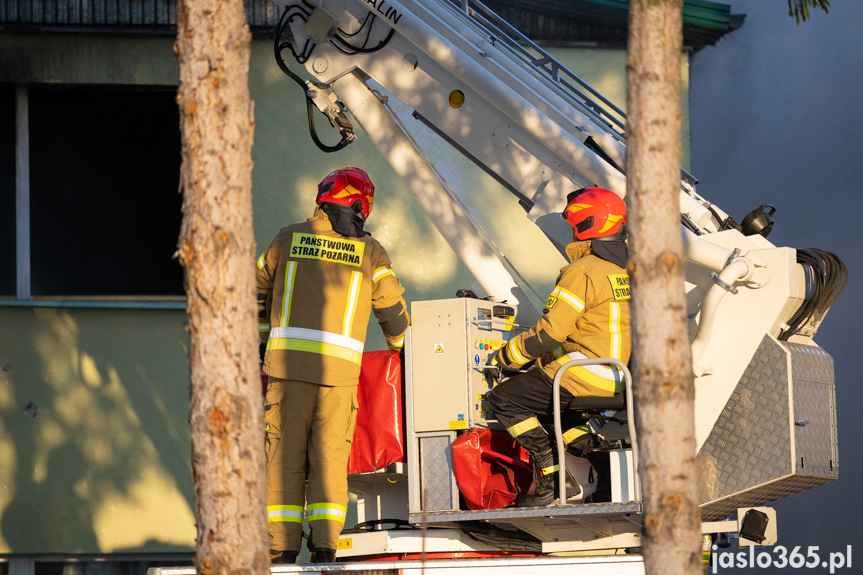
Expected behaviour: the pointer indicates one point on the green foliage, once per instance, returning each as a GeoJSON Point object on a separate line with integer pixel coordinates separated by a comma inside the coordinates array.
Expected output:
{"type": "Point", "coordinates": [799, 9]}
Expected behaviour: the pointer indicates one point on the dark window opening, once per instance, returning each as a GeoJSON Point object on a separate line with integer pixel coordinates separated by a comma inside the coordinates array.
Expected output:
{"type": "Point", "coordinates": [105, 209]}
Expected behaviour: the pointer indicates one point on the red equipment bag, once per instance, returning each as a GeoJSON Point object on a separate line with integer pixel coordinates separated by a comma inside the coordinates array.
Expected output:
{"type": "Point", "coordinates": [491, 469]}
{"type": "Point", "coordinates": [379, 435]}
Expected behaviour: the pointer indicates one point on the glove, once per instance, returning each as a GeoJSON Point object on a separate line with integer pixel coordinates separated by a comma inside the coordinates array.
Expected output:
{"type": "Point", "coordinates": [492, 371]}
{"type": "Point", "coordinates": [262, 351]}
{"type": "Point", "coordinates": [500, 359]}
{"type": "Point", "coordinates": [492, 359]}
{"type": "Point", "coordinates": [496, 370]}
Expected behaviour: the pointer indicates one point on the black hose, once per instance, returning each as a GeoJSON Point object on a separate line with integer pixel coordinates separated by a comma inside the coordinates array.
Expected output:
{"type": "Point", "coordinates": [363, 49]}
{"type": "Point", "coordinates": [278, 48]}
{"type": "Point", "coordinates": [829, 279]}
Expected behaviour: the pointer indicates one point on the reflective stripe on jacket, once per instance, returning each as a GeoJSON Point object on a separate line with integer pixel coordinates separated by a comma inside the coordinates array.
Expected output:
{"type": "Point", "coordinates": [587, 312]}
{"type": "Point", "coordinates": [316, 289]}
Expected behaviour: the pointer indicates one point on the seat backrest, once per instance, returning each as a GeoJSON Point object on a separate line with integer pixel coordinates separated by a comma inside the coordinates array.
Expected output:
{"type": "Point", "coordinates": [592, 403]}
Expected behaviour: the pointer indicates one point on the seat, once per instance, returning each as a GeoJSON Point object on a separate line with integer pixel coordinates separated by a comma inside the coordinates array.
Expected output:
{"type": "Point", "coordinates": [595, 412]}
{"type": "Point", "coordinates": [591, 404]}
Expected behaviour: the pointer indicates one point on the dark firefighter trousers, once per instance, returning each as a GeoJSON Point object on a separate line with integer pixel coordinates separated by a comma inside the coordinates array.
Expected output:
{"type": "Point", "coordinates": [524, 405]}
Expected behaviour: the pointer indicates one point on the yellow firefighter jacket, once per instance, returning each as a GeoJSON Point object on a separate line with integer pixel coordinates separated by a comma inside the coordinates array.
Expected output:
{"type": "Point", "coordinates": [588, 313]}
{"type": "Point", "coordinates": [316, 289]}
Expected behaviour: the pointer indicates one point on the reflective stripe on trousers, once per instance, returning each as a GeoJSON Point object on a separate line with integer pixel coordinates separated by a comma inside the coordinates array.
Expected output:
{"type": "Point", "coordinates": [315, 511]}
{"type": "Point", "coordinates": [326, 511]}
{"type": "Point", "coordinates": [289, 513]}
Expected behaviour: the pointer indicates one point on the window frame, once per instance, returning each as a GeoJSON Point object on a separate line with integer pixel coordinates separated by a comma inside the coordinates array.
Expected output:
{"type": "Point", "coordinates": [23, 282]}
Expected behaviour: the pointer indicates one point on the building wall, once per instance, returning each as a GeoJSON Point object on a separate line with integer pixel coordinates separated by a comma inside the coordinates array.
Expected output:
{"type": "Point", "coordinates": [776, 119]}
{"type": "Point", "coordinates": [99, 464]}
{"type": "Point", "coordinates": [94, 435]}
{"type": "Point", "coordinates": [65, 58]}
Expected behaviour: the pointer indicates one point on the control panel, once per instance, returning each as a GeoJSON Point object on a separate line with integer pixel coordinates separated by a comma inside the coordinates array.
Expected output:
{"type": "Point", "coordinates": [451, 341]}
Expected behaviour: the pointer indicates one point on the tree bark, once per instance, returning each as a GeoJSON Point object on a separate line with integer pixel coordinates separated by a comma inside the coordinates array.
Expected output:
{"type": "Point", "coordinates": [662, 362]}
{"type": "Point", "coordinates": [217, 249]}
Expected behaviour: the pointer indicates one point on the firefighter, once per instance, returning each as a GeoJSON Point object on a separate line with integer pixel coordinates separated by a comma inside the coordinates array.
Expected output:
{"type": "Point", "coordinates": [317, 283]}
{"type": "Point", "coordinates": [586, 313]}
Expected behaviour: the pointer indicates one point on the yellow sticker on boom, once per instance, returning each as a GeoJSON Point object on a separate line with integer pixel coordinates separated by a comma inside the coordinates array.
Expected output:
{"type": "Point", "coordinates": [620, 286]}
{"type": "Point", "coordinates": [345, 543]}
{"type": "Point", "coordinates": [338, 250]}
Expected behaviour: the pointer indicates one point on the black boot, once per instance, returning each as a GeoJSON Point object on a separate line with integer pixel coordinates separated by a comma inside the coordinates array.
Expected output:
{"type": "Point", "coordinates": [323, 555]}
{"type": "Point", "coordinates": [547, 489]}
{"type": "Point", "coordinates": [283, 557]}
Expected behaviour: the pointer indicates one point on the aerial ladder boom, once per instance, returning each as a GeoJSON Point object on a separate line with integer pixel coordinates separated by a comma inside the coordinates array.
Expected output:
{"type": "Point", "coordinates": [405, 69]}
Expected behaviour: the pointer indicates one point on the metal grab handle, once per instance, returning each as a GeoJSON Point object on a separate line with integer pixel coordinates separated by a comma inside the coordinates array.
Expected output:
{"type": "Point", "coordinates": [630, 420]}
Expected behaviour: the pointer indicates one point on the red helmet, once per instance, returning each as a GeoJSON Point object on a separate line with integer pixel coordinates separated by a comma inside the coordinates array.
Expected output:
{"type": "Point", "coordinates": [595, 213]}
{"type": "Point", "coordinates": [348, 187]}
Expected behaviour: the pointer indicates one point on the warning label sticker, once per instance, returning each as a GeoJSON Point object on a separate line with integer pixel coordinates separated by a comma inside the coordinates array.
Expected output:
{"type": "Point", "coordinates": [346, 543]}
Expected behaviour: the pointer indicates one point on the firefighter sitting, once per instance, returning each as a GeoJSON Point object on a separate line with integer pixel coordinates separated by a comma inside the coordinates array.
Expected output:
{"type": "Point", "coordinates": [586, 313]}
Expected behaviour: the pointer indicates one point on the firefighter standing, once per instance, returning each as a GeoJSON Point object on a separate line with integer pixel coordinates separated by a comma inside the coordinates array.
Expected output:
{"type": "Point", "coordinates": [317, 283]}
{"type": "Point", "coordinates": [586, 313]}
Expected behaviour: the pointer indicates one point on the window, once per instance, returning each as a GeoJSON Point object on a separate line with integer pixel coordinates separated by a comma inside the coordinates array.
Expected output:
{"type": "Point", "coordinates": [104, 169]}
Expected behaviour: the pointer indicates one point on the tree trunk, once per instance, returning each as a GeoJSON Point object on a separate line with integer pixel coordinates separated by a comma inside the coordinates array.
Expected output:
{"type": "Point", "coordinates": [217, 249]}
{"type": "Point", "coordinates": [662, 363]}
